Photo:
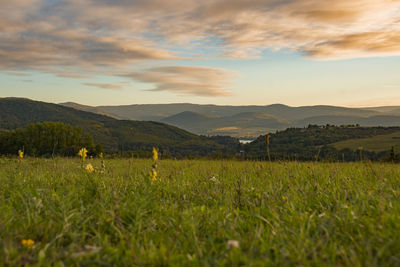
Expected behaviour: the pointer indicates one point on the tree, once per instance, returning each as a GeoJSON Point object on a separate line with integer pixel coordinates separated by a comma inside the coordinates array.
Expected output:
{"type": "Point", "coordinates": [89, 145]}
{"type": "Point", "coordinates": [99, 149]}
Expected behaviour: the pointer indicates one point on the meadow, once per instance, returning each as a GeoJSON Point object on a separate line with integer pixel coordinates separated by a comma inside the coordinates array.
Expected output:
{"type": "Point", "coordinates": [198, 213]}
{"type": "Point", "coordinates": [377, 143]}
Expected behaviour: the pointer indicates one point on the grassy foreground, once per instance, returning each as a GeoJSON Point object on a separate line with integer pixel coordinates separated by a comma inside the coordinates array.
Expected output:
{"type": "Point", "coordinates": [280, 213]}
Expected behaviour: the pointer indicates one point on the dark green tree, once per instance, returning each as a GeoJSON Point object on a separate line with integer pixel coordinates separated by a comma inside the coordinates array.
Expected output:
{"type": "Point", "coordinates": [99, 149]}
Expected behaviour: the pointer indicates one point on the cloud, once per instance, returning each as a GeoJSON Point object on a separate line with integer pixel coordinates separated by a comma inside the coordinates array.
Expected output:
{"type": "Point", "coordinates": [187, 80]}
{"type": "Point", "coordinates": [80, 38]}
{"type": "Point", "coordinates": [50, 35]}
{"type": "Point", "coordinates": [105, 86]}
{"type": "Point", "coordinates": [35, 51]}
{"type": "Point", "coordinates": [20, 74]}
{"type": "Point", "coordinates": [360, 45]}
{"type": "Point", "coordinates": [320, 29]}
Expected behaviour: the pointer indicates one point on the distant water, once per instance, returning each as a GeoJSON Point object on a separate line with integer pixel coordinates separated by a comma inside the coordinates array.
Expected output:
{"type": "Point", "coordinates": [245, 141]}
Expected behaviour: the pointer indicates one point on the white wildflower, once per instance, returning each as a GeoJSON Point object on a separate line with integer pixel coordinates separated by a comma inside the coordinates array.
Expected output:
{"type": "Point", "coordinates": [232, 244]}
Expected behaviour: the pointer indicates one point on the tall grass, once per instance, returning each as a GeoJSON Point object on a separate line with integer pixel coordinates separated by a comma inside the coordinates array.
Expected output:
{"type": "Point", "coordinates": [280, 213]}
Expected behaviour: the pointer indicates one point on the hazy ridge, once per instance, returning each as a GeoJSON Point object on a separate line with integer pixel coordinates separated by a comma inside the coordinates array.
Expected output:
{"type": "Point", "coordinates": [248, 120]}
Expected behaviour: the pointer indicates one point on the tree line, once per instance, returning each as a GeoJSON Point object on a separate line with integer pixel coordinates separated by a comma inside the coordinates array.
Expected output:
{"type": "Point", "coordinates": [314, 143]}
{"type": "Point", "coordinates": [47, 139]}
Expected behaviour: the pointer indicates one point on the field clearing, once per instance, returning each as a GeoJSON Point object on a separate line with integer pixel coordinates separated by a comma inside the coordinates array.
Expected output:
{"type": "Point", "coordinates": [281, 213]}
{"type": "Point", "coordinates": [378, 143]}
{"type": "Point", "coordinates": [252, 132]}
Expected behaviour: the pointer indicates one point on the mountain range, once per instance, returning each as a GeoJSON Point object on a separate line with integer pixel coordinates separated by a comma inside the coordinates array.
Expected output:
{"type": "Point", "coordinates": [118, 135]}
{"type": "Point", "coordinates": [247, 121]}
{"type": "Point", "coordinates": [115, 135]}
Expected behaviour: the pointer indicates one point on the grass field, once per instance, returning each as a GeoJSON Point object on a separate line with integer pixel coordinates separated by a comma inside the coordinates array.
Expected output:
{"type": "Point", "coordinates": [377, 143]}
{"type": "Point", "coordinates": [199, 213]}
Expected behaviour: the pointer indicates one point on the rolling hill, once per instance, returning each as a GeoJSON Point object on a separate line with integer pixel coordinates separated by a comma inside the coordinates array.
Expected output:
{"type": "Point", "coordinates": [379, 120]}
{"type": "Point", "coordinates": [113, 134]}
{"type": "Point", "coordinates": [327, 142]}
{"type": "Point", "coordinates": [95, 110]}
{"type": "Point", "coordinates": [229, 125]}
{"type": "Point", "coordinates": [249, 121]}
{"type": "Point", "coordinates": [301, 143]}
{"type": "Point", "coordinates": [191, 120]}
{"type": "Point", "coordinates": [377, 143]}
{"type": "Point", "coordinates": [144, 112]}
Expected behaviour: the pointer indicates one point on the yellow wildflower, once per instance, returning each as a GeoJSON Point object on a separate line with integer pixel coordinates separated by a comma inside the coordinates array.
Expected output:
{"type": "Point", "coordinates": [54, 195]}
{"type": "Point", "coordinates": [153, 175]}
{"type": "Point", "coordinates": [29, 243]}
{"type": "Point", "coordinates": [284, 197]}
{"type": "Point", "coordinates": [89, 168]}
{"type": "Point", "coordinates": [20, 154]}
{"type": "Point", "coordinates": [83, 153]}
{"type": "Point", "coordinates": [155, 154]}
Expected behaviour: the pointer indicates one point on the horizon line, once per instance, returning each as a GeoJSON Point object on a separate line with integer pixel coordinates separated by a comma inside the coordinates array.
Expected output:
{"type": "Point", "coordinates": [209, 104]}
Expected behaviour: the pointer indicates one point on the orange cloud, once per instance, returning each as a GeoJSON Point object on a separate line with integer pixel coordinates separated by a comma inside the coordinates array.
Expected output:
{"type": "Point", "coordinates": [105, 86]}
{"type": "Point", "coordinates": [187, 80]}
{"type": "Point", "coordinates": [363, 44]}
{"type": "Point", "coordinates": [328, 15]}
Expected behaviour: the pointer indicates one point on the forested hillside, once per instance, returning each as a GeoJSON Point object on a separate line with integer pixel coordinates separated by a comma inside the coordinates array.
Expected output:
{"type": "Point", "coordinates": [303, 143]}
{"type": "Point", "coordinates": [318, 143]}
{"type": "Point", "coordinates": [115, 135]}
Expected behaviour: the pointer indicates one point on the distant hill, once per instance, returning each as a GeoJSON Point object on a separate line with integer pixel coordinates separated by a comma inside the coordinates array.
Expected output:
{"type": "Point", "coordinates": [390, 110]}
{"type": "Point", "coordinates": [381, 120]}
{"type": "Point", "coordinates": [377, 143]}
{"type": "Point", "coordinates": [299, 113]}
{"type": "Point", "coordinates": [228, 125]}
{"type": "Point", "coordinates": [89, 109]}
{"type": "Point", "coordinates": [189, 118]}
{"type": "Point", "coordinates": [327, 142]}
{"type": "Point", "coordinates": [115, 135]}
{"type": "Point", "coordinates": [144, 112]}
{"type": "Point", "coordinates": [191, 121]}
{"type": "Point", "coordinates": [250, 121]}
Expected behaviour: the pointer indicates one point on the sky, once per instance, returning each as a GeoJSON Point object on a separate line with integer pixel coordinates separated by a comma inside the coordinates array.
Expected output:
{"type": "Point", "coordinates": [230, 52]}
